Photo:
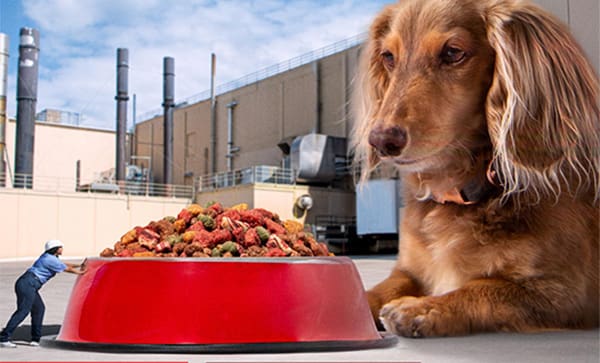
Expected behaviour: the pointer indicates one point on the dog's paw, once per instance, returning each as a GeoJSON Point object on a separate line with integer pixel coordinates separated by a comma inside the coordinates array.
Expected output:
{"type": "Point", "coordinates": [415, 317]}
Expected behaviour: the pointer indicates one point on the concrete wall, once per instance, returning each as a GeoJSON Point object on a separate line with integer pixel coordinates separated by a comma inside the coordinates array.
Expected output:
{"type": "Point", "coordinates": [582, 17]}
{"type": "Point", "coordinates": [86, 223]}
{"type": "Point", "coordinates": [280, 198]}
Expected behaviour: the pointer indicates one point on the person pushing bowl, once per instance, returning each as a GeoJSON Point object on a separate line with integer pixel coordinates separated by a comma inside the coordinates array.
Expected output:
{"type": "Point", "coordinates": [27, 289]}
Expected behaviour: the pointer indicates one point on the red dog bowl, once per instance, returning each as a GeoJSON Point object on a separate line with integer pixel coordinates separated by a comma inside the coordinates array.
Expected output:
{"type": "Point", "coordinates": [219, 305]}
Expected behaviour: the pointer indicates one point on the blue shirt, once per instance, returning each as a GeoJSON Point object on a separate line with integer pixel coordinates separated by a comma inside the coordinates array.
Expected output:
{"type": "Point", "coordinates": [46, 266]}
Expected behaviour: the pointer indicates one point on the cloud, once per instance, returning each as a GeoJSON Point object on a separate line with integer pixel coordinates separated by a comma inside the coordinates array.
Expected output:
{"type": "Point", "coordinates": [79, 39]}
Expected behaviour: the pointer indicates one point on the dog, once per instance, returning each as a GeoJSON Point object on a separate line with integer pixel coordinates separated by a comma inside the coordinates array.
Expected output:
{"type": "Point", "coordinates": [488, 112]}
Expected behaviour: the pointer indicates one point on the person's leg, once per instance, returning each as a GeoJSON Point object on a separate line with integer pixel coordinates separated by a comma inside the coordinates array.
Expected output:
{"type": "Point", "coordinates": [37, 317]}
{"type": "Point", "coordinates": [26, 288]}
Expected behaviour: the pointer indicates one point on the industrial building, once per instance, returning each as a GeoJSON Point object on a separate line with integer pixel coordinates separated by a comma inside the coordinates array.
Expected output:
{"type": "Point", "coordinates": [275, 139]}
{"type": "Point", "coordinates": [266, 128]}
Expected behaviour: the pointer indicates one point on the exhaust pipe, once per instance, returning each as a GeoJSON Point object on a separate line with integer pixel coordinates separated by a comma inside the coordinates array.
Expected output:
{"type": "Point", "coordinates": [3, 76]}
{"type": "Point", "coordinates": [122, 98]}
{"type": "Point", "coordinates": [168, 105]}
{"type": "Point", "coordinates": [213, 115]}
{"type": "Point", "coordinates": [26, 103]}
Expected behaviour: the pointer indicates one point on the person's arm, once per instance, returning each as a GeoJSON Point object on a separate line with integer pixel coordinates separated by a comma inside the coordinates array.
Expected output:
{"type": "Point", "coordinates": [78, 269]}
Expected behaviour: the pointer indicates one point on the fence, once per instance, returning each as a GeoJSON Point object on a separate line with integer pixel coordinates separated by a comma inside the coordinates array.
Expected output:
{"type": "Point", "coordinates": [251, 175]}
{"type": "Point", "coordinates": [61, 185]}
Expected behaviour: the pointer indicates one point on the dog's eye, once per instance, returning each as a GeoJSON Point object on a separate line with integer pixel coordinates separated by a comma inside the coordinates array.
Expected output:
{"type": "Point", "coordinates": [452, 55]}
{"type": "Point", "coordinates": [388, 59]}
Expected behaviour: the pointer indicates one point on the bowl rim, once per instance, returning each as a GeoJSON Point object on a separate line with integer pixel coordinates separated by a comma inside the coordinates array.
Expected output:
{"type": "Point", "coordinates": [292, 260]}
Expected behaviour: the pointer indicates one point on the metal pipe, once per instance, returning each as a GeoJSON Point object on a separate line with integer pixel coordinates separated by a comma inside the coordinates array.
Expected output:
{"type": "Point", "coordinates": [231, 150]}
{"type": "Point", "coordinates": [122, 97]}
{"type": "Point", "coordinates": [77, 174]}
{"type": "Point", "coordinates": [26, 103]}
{"type": "Point", "coordinates": [4, 46]}
{"type": "Point", "coordinates": [132, 136]}
{"type": "Point", "coordinates": [168, 105]}
{"type": "Point", "coordinates": [134, 111]}
{"type": "Point", "coordinates": [213, 115]}
{"type": "Point", "coordinates": [317, 72]}
{"type": "Point", "coordinates": [345, 90]}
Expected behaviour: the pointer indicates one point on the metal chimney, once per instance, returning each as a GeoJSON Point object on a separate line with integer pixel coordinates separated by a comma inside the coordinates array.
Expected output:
{"type": "Point", "coordinates": [3, 76]}
{"type": "Point", "coordinates": [26, 103]}
{"type": "Point", "coordinates": [122, 98]}
{"type": "Point", "coordinates": [317, 71]}
{"type": "Point", "coordinates": [213, 115]}
{"type": "Point", "coordinates": [168, 105]}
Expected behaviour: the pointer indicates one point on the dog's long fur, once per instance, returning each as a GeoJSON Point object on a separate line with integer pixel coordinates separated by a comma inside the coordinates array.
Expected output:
{"type": "Point", "coordinates": [495, 97]}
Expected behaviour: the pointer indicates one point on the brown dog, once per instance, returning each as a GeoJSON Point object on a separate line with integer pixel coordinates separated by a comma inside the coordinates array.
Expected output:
{"type": "Point", "coordinates": [490, 113]}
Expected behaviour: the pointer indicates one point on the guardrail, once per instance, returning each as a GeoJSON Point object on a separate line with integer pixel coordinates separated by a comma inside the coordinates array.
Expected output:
{"type": "Point", "coordinates": [65, 185]}
{"type": "Point", "coordinates": [251, 175]}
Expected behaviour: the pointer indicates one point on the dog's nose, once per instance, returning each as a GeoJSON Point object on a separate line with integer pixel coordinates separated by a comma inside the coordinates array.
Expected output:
{"type": "Point", "coordinates": [388, 141]}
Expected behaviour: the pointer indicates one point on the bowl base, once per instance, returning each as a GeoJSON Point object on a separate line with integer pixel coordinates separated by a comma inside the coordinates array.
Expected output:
{"type": "Point", "coordinates": [387, 340]}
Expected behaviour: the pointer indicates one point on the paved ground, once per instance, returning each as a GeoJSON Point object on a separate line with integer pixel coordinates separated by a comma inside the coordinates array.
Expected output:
{"type": "Point", "coordinates": [572, 346]}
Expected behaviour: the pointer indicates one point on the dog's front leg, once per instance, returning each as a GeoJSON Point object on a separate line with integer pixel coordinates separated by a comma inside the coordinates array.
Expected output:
{"type": "Point", "coordinates": [480, 305]}
{"type": "Point", "coordinates": [397, 285]}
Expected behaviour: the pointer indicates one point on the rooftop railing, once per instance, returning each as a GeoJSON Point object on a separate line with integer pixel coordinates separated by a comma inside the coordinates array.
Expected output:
{"type": "Point", "coordinates": [265, 73]}
{"type": "Point", "coordinates": [252, 175]}
{"type": "Point", "coordinates": [66, 185]}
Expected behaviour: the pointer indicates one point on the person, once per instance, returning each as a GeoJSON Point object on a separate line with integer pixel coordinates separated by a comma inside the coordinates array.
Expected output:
{"type": "Point", "coordinates": [27, 289]}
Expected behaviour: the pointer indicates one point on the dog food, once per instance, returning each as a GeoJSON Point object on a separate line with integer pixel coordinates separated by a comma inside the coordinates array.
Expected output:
{"type": "Point", "coordinates": [214, 231]}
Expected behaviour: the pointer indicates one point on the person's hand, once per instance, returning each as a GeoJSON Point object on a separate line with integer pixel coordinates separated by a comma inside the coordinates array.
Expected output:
{"type": "Point", "coordinates": [76, 269]}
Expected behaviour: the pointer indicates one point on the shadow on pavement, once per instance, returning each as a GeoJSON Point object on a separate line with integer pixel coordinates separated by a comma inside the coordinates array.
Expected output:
{"type": "Point", "coordinates": [23, 332]}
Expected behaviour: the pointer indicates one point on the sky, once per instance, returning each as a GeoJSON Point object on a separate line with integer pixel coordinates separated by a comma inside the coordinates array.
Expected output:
{"type": "Point", "coordinates": [79, 41]}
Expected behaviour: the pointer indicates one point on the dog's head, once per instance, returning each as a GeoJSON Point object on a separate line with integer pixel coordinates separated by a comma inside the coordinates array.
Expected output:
{"type": "Point", "coordinates": [445, 80]}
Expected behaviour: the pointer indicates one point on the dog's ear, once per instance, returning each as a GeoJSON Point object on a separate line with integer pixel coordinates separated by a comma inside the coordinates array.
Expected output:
{"type": "Point", "coordinates": [369, 88]}
{"type": "Point", "coordinates": [377, 76]}
{"type": "Point", "coordinates": [543, 105]}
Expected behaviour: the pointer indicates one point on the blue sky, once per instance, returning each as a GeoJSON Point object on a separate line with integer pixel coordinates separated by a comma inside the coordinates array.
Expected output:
{"type": "Point", "coordinates": [79, 39]}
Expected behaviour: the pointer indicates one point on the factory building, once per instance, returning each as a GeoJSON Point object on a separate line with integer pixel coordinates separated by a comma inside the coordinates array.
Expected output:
{"type": "Point", "coordinates": [279, 141]}
{"type": "Point", "coordinates": [265, 124]}
{"type": "Point", "coordinates": [310, 98]}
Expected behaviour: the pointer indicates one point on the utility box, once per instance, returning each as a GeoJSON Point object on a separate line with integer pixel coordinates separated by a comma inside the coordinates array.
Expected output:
{"type": "Point", "coordinates": [377, 207]}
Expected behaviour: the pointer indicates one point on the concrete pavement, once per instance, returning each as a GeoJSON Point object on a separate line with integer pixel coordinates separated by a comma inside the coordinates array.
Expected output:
{"type": "Point", "coordinates": [564, 346]}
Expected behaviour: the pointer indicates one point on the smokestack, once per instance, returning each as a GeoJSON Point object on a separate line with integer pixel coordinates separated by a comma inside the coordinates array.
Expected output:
{"type": "Point", "coordinates": [3, 76]}
{"type": "Point", "coordinates": [168, 105]}
{"type": "Point", "coordinates": [213, 115]}
{"type": "Point", "coordinates": [26, 102]}
{"type": "Point", "coordinates": [122, 98]}
{"type": "Point", "coordinates": [317, 72]}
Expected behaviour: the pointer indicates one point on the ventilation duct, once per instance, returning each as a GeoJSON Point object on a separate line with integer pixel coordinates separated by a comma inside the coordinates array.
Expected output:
{"type": "Point", "coordinates": [314, 157]}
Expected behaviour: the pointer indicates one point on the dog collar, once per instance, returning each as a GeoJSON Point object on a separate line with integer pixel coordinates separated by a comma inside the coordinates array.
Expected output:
{"type": "Point", "coordinates": [472, 192]}
{"type": "Point", "coordinates": [453, 196]}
